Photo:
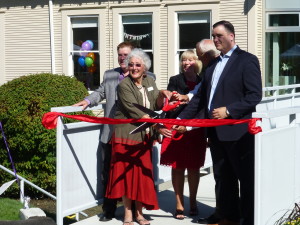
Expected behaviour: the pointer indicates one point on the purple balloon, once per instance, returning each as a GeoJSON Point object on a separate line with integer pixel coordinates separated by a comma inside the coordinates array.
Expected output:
{"type": "Point", "coordinates": [83, 53]}
{"type": "Point", "coordinates": [91, 43]}
{"type": "Point", "coordinates": [86, 46]}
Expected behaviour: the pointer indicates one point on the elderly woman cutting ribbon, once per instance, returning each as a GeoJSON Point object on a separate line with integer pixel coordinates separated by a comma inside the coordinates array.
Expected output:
{"type": "Point", "coordinates": [131, 176]}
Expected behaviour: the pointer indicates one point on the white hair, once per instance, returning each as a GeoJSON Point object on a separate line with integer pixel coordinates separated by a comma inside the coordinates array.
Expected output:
{"type": "Point", "coordinates": [140, 54]}
{"type": "Point", "coordinates": [207, 45]}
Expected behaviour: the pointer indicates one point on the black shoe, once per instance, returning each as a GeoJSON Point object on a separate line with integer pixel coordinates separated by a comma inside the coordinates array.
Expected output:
{"type": "Point", "coordinates": [208, 220]}
{"type": "Point", "coordinates": [105, 217]}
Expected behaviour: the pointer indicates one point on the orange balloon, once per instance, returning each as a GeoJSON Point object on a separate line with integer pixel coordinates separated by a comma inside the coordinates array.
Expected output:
{"type": "Point", "coordinates": [92, 55]}
{"type": "Point", "coordinates": [92, 68]}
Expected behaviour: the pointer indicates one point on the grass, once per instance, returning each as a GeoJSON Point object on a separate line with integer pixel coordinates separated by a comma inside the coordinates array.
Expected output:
{"type": "Point", "coordinates": [9, 209]}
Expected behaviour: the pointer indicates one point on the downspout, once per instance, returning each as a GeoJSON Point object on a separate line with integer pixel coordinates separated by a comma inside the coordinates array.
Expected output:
{"type": "Point", "coordinates": [52, 47]}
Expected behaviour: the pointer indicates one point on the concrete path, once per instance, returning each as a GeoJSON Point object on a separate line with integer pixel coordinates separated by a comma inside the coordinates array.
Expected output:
{"type": "Point", "coordinates": [164, 216]}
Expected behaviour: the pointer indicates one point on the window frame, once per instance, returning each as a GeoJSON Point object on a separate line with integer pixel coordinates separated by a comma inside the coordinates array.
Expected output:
{"type": "Point", "coordinates": [173, 10]}
{"type": "Point", "coordinates": [67, 58]}
{"type": "Point", "coordinates": [281, 28]}
{"type": "Point", "coordinates": [118, 36]}
{"type": "Point", "coordinates": [275, 29]}
{"type": "Point", "coordinates": [137, 14]}
{"type": "Point", "coordinates": [179, 50]}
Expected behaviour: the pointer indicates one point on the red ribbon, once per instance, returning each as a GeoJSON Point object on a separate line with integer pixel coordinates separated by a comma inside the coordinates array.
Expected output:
{"type": "Point", "coordinates": [49, 121]}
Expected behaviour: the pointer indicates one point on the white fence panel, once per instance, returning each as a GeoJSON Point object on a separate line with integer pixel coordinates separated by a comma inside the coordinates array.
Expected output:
{"type": "Point", "coordinates": [78, 168]}
{"type": "Point", "coordinates": [277, 167]}
{"type": "Point", "coordinates": [79, 165]}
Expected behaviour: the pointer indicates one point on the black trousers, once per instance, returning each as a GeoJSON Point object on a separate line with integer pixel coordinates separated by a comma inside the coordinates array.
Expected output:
{"type": "Point", "coordinates": [233, 165]}
{"type": "Point", "coordinates": [109, 205]}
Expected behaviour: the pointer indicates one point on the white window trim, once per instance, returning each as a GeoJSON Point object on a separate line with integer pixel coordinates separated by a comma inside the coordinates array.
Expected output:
{"type": "Point", "coordinates": [66, 38]}
{"type": "Point", "coordinates": [122, 31]}
{"type": "Point", "coordinates": [173, 62]}
{"type": "Point", "coordinates": [118, 32]}
{"type": "Point", "coordinates": [281, 28]}
{"type": "Point", "coordinates": [2, 48]}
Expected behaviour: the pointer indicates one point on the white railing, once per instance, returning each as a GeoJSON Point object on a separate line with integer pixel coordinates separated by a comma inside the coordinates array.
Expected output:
{"type": "Point", "coordinates": [22, 185]}
{"type": "Point", "coordinates": [277, 164]}
{"type": "Point", "coordinates": [79, 165]}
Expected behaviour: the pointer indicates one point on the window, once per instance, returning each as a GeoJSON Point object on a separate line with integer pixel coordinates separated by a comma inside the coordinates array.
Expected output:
{"type": "Point", "coordinates": [85, 50]}
{"type": "Point", "coordinates": [282, 49]}
{"type": "Point", "coordinates": [138, 29]}
{"type": "Point", "coordinates": [192, 27]}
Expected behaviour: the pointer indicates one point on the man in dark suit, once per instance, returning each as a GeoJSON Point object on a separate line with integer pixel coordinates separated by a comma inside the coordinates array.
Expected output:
{"type": "Point", "coordinates": [108, 90]}
{"type": "Point", "coordinates": [231, 88]}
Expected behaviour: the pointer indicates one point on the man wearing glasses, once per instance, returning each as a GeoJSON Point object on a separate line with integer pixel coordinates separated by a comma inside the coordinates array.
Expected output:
{"type": "Point", "coordinates": [107, 90]}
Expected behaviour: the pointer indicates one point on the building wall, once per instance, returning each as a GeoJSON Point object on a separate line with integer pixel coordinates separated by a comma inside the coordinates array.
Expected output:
{"type": "Point", "coordinates": [26, 39]}
{"type": "Point", "coordinates": [2, 47]}
{"type": "Point", "coordinates": [27, 35]}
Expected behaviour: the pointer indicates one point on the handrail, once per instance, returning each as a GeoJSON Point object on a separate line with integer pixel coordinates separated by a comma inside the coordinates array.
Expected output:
{"type": "Point", "coordinates": [272, 113]}
{"type": "Point", "coordinates": [29, 183]}
{"type": "Point", "coordinates": [274, 88]}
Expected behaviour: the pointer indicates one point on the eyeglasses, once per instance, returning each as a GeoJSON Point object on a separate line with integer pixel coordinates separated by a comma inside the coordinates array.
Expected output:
{"type": "Point", "coordinates": [132, 64]}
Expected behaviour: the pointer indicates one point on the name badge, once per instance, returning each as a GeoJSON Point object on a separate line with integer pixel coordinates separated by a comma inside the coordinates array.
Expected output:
{"type": "Point", "coordinates": [150, 89]}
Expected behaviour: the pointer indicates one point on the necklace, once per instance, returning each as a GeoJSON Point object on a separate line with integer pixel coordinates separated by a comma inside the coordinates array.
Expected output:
{"type": "Point", "coordinates": [139, 86]}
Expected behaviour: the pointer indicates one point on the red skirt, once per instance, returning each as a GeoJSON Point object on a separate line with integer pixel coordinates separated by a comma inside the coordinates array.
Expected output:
{"type": "Point", "coordinates": [188, 152]}
{"type": "Point", "coordinates": [131, 174]}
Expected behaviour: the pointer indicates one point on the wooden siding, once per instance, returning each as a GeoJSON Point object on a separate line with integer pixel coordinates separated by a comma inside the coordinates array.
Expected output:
{"type": "Point", "coordinates": [233, 11]}
{"type": "Point", "coordinates": [27, 32]}
{"type": "Point", "coordinates": [260, 34]}
{"type": "Point", "coordinates": [27, 40]}
{"type": "Point", "coordinates": [164, 78]}
{"type": "Point", "coordinates": [2, 47]}
{"type": "Point", "coordinates": [57, 23]}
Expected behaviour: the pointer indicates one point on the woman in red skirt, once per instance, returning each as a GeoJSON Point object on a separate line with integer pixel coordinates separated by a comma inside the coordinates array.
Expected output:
{"type": "Point", "coordinates": [188, 152]}
{"type": "Point", "coordinates": [131, 175]}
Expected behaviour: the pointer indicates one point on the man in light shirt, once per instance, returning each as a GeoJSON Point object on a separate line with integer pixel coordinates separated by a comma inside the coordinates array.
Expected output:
{"type": "Point", "coordinates": [231, 88]}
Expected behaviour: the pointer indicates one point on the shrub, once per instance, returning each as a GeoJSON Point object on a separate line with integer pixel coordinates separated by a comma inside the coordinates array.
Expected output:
{"type": "Point", "coordinates": [23, 101]}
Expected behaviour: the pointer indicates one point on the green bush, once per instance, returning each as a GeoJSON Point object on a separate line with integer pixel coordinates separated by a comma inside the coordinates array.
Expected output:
{"type": "Point", "coordinates": [23, 101]}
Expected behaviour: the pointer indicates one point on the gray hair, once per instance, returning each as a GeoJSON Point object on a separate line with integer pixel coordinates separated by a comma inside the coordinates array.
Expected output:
{"type": "Point", "coordinates": [207, 45]}
{"type": "Point", "coordinates": [140, 54]}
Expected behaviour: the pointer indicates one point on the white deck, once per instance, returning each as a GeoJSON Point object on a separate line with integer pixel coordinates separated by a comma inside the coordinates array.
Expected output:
{"type": "Point", "coordinates": [164, 216]}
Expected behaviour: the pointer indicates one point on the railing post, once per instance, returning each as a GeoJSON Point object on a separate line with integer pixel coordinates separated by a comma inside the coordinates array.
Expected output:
{"type": "Point", "coordinates": [59, 136]}
{"type": "Point", "coordinates": [22, 194]}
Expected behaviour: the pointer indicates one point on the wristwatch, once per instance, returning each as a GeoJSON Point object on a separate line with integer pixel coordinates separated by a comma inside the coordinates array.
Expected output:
{"type": "Point", "coordinates": [227, 113]}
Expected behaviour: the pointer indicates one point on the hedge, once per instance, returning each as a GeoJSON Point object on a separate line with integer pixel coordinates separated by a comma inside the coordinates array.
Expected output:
{"type": "Point", "coordinates": [23, 101]}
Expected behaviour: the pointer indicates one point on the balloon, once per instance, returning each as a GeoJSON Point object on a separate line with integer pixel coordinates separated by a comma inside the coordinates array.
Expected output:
{"type": "Point", "coordinates": [88, 61]}
{"type": "Point", "coordinates": [86, 46]}
{"type": "Point", "coordinates": [81, 61]}
{"type": "Point", "coordinates": [83, 53]}
{"type": "Point", "coordinates": [92, 69]}
{"type": "Point", "coordinates": [79, 42]}
{"type": "Point", "coordinates": [92, 55]}
{"type": "Point", "coordinates": [91, 43]}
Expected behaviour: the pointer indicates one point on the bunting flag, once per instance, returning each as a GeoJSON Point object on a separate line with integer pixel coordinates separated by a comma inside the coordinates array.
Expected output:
{"type": "Point", "coordinates": [49, 121]}
{"type": "Point", "coordinates": [136, 37]}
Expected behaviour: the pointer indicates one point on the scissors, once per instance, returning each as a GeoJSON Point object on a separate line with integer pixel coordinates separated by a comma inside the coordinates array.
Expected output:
{"type": "Point", "coordinates": [154, 115]}
{"type": "Point", "coordinates": [151, 113]}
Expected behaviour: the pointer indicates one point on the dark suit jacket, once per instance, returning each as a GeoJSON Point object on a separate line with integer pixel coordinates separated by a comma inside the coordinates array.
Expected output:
{"type": "Point", "coordinates": [178, 83]}
{"type": "Point", "coordinates": [239, 89]}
